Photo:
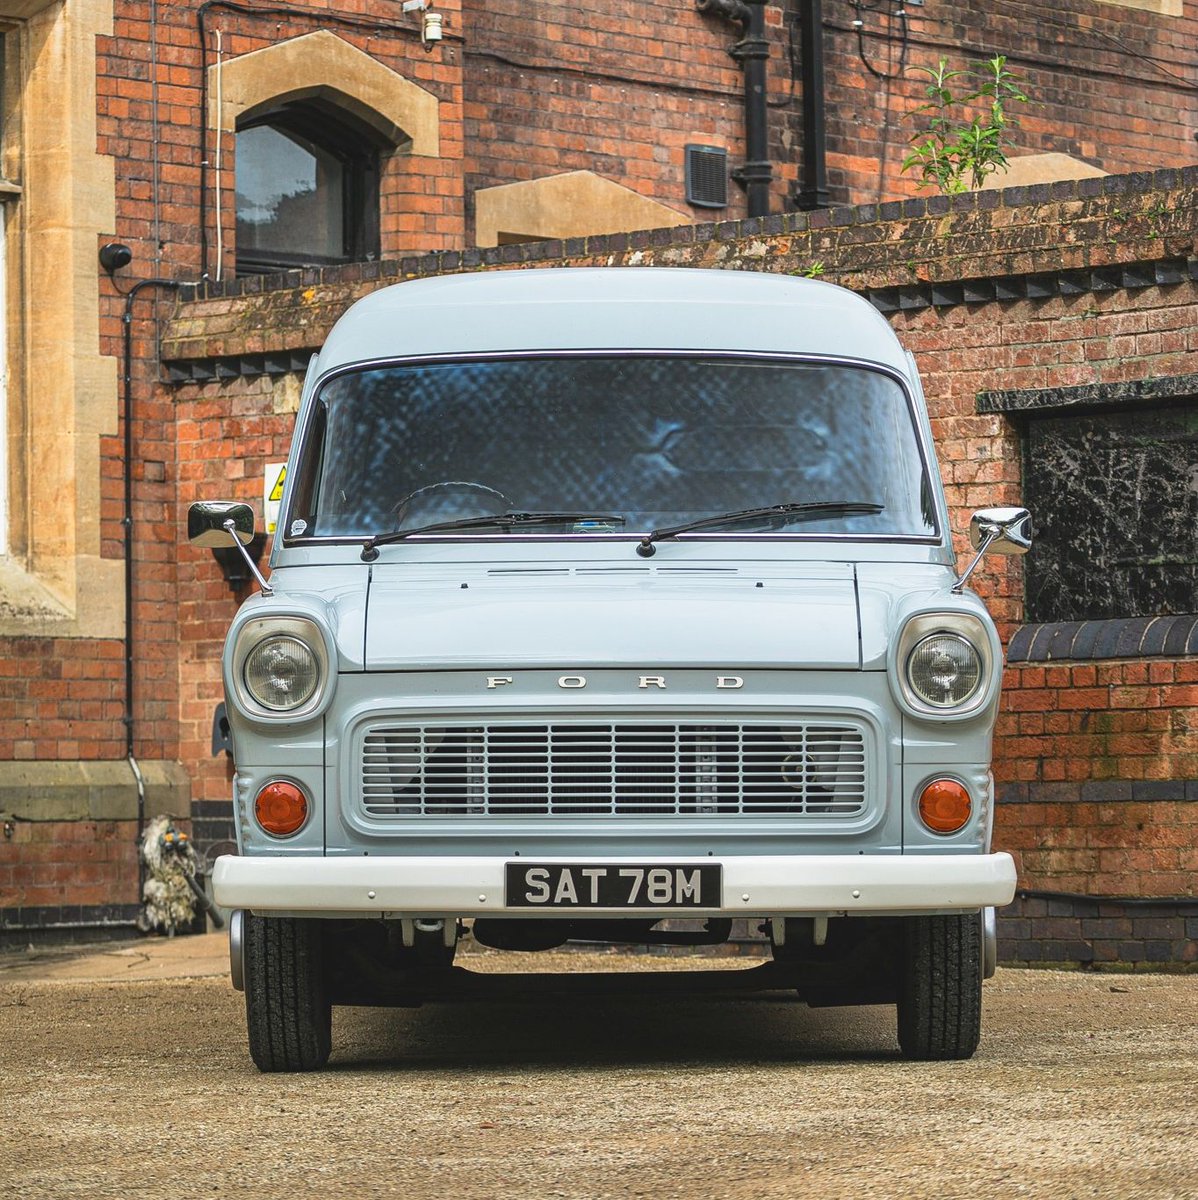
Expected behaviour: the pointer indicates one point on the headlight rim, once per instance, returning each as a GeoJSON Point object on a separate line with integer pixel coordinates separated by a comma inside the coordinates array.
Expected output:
{"type": "Point", "coordinates": [971, 628]}
{"type": "Point", "coordinates": [250, 637]}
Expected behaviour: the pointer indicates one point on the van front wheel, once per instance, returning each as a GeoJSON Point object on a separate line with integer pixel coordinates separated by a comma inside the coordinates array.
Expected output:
{"type": "Point", "coordinates": [940, 988]}
{"type": "Point", "coordinates": [288, 1013]}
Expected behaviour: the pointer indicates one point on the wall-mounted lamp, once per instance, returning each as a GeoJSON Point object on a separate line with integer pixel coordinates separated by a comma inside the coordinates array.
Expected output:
{"type": "Point", "coordinates": [432, 24]}
{"type": "Point", "coordinates": [431, 30]}
{"type": "Point", "coordinates": [114, 256]}
{"type": "Point", "coordinates": [233, 565]}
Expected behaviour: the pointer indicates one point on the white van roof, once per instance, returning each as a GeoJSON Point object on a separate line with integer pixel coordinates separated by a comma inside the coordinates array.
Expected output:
{"type": "Point", "coordinates": [611, 308]}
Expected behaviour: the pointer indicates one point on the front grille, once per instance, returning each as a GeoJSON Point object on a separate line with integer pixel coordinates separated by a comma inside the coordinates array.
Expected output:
{"type": "Point", "coordinates": [811, 768]}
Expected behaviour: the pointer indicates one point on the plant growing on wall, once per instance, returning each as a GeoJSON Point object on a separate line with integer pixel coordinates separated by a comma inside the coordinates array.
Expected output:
{"type": "Point", "coordinates": [957, 151]}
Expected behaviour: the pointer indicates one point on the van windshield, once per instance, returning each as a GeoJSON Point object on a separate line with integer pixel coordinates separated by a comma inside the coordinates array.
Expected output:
{"type": "Point", "coordinates": [661, 440]}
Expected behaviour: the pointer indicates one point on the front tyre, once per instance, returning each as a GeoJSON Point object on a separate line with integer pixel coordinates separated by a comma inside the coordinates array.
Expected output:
{"type": "Point", "coordinates": [288, 1014]}
{"type": "Point", "coordinates": [940, 987]}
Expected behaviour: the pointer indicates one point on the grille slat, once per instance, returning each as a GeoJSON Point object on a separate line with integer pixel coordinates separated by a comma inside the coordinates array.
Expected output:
{"type": "Point", "coordinates": [803, 769]}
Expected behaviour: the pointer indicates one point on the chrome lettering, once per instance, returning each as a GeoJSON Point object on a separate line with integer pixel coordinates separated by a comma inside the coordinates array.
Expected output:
{"type": "Point", "coordinates": [729, 681]}
{"type": "Point", "coordinates": [658, 681]}
{"type": "Point", "coordinates": [538, 878]}
{"type": "Point", "coordinates": [572, 681]}
{"type": "Point", "coordinates": [637, 875]}
{"type": "Point", "coordinates": [661, 886]}
{"type": "Point", "coordinates": [494, 681]}
{"type": "Point", "coordinates": [594, 874]}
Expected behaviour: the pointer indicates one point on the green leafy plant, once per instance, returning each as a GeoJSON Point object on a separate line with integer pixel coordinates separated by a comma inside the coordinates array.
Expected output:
{"type": "Point", "coordinates": [957, 151]}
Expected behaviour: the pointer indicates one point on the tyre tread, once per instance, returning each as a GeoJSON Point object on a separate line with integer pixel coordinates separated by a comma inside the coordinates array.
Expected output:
{"type": "Point", "coordinates": [288, 1015]}
{"type": "Point", "coordinates": [940, 996]}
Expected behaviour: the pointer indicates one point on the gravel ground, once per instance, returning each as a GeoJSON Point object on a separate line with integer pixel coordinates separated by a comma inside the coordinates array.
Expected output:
{"type": "Point", "coordinates": [121, 1077]}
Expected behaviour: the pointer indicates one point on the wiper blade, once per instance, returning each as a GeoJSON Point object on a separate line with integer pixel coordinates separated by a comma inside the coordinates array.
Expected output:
{"type": "Point", "coordinates": [497, 521]}
{"type": "Point", "coordinates": [788, 512]}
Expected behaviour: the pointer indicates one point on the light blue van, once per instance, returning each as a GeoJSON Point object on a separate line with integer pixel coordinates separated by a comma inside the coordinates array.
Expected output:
{"type": "Point", "coordinates": [612, 605]}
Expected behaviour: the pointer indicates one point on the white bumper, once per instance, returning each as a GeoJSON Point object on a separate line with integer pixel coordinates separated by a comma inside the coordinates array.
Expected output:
{"type": "Point", "coordinates": [752, 885]}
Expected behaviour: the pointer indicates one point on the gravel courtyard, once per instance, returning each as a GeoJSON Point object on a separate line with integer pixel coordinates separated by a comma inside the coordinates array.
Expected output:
{"type": "Point", "coordinates": [125, 1073]}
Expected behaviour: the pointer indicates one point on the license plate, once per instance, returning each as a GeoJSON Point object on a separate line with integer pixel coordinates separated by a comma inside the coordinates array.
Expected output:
{"type": "Point", "coordinates": [648, 885]}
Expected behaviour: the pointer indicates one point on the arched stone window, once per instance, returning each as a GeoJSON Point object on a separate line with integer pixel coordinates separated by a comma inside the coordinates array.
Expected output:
{"type": "Point", "coordinates": [313, 121]}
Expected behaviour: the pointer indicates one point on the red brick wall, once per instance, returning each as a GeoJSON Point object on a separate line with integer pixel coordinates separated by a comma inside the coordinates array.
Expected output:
{"type": "Point", "coordinates": [49, 864]}
{"type": "Point", "coordinates": [240, 418]}
{"type": "Point", "coordinates": [618, 90]}
{"type": "Point", "coordinates": [1096, 762]}
{"type": "Point", "coordinates": [422, 203]}
{"type": "Point", "coordinates": [60, 699]}
{"type": "Point", "coordinates": [533, 90]}
{"type": "Point", "coordinates": [1109, 84]}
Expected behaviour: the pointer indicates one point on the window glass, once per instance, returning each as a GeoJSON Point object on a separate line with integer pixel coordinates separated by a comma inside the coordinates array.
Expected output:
{"type": "Point", "coordinates": [290, 196]}
{"type": "Point", "coordinates": [307, 189]}
{"type": "Point", "coordinates": [660, 440]}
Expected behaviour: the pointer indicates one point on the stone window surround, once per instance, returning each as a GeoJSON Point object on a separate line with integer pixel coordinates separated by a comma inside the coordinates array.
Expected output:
{"type": "Point", "coordinates": [66, 205]}
{"type": "Point", "coordinates": [318, 66]}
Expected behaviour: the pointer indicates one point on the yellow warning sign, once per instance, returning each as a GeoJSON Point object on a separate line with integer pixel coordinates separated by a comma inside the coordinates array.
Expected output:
{"type": "Point", "coordinates": [272, 493]}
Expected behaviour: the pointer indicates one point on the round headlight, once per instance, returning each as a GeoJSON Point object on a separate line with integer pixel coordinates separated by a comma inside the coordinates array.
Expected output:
{"type": "Point", "coordinates": [281, 673]}
{"type": "Point", "coordinates": [944, 670]}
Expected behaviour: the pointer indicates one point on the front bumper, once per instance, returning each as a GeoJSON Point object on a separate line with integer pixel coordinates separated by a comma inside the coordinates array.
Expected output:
{"type": "Point", "coordinates": [752, 886]}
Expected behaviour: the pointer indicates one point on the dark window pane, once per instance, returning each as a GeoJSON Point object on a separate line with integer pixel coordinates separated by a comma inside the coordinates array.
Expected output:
{"type": "Point", "coordinates": [660, 440]}
{"type": "Point", "coordinates": [1115, 500]}
{"type": "Point", "coordinates": [290, 196]}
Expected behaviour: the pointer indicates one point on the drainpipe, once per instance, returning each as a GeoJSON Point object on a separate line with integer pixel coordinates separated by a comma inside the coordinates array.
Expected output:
{"type": "Point", "coordinates": [814, 190]}
{"type": "Point", "coordinates": [752, 52]}
{"type": "Point", "coordinates": [127, 524]}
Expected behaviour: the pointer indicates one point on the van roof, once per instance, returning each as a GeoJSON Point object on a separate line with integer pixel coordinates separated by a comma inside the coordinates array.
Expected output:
{"type": "Point", "coordinates": [611, 308]}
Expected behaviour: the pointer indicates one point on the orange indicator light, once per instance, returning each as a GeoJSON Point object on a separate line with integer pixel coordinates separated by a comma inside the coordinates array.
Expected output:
{"type": "Point", "coordinates": [281, 808]}
{"type": "Point", "coordinates": [944, 806]}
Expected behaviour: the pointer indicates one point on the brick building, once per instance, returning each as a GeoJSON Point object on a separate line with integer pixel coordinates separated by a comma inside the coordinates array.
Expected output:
{"type": "Point", "coordinates": [224, 143]}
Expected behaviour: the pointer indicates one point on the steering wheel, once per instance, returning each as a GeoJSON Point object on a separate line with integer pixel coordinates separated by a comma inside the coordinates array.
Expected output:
{"type": "Point", "coordinates": [489, 499]}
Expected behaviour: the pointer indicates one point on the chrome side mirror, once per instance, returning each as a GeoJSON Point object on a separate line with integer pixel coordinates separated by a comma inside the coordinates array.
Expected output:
{"type": "Point", "coordinates": [208, 523]}
{"type": "Point", "coordinates": [1003, 530]}
{"type": "Point", "coordinates": [215, 524]}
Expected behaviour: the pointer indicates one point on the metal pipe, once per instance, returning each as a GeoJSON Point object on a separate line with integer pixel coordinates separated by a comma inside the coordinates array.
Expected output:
{"type": "Point", "coordinates": [127, 523]}
{"type": "Point", "coordinates": [814, 190]}
{"type": "Point", "coordinates": [753, 52]}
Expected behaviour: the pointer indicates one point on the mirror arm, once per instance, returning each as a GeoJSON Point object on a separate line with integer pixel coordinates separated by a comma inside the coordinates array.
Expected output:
{"type": "Point", "coordinates": [231, 526]}
{"type": "Point", "coordinates": [992, 535]}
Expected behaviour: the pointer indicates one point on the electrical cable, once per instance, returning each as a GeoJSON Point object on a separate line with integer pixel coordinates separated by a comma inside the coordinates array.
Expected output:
{"type": "Point", "coordinates": [1031, 60]}
{"type": "Point", "coordinates": [660, 83]}
{"type": "Point", "coordinates": [859, 25]}
{"type": "Point", "coordinates": [1128, 901]}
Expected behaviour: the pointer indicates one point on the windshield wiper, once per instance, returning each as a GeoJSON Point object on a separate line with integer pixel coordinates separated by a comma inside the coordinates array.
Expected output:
{"type": "Point", "coordinates": [779, 512]}
{"type": "Point", "coordinates": [498, 521]}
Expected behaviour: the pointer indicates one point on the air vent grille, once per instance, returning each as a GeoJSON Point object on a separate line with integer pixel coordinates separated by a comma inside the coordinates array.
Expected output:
{"type": "Point", "coordinates": [707, 176]}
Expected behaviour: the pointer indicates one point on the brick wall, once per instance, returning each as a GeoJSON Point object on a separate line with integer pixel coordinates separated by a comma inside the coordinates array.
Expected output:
{"type": "Point", "coordinates": [556, 87]}
{"type": "Point", "coordinates": [1096, 761]}
{"type": "Point", "coordinates": [55, 875]}
{"type": "Point", "coordinates": [1110, 85]}
{"type": "Point", "coordinates": [561, 86]}
{"type": "Point", "coordinates": [533, 90]}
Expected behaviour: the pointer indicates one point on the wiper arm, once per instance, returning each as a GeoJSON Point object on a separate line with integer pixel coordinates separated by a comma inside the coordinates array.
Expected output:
{"type": "Point", "coordinates": [810, 511]}
{"type": "Point", "coordinates": [498, 521]}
